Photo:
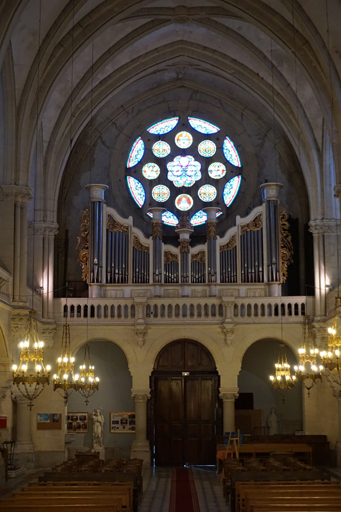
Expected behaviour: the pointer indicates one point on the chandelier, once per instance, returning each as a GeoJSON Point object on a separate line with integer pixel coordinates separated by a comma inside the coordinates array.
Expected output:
{"type": "Point", "coordinates": [282, 380]}
{"type": "Point", "coordinates": [64, 380]}
{"type": "Point", "coordinates": [86, 381]}
{"type": "Point", "coordinates": [308, 371]}
{"type": "Point", "coordinates": [31, 375]}
{"type": "Point", "coordinates": [331, 358]}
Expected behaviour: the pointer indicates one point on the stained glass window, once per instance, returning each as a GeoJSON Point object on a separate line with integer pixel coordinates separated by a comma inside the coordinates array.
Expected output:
{"type": "Point", "coordinates": [230, 152]}
{"type": "Point", "coordinates": [136, 153]}
{"type": "Point", "coordinates": [161, 149]}
{"type": "Point", "coordinates": [184, 171]}
{"type": "Point", "coordinates": [165, 126]}
{"type": "Point", "coordinates": [202, 126]}
{"type": "Point", "coordinates": [184, 202]}
{"type": "Point", "coordinates": [137, 190]}
{"type": "Point", "coordinates": [198, 218]}
{"type": "Point", "coordinates": [151, 171]}
{"type": "Point", "coordinates": [160, 193]}
{"type": "Point", "coordinates": [183, 140]}
{"type": "Point", "coordinates": [207, 193]}
{"type": "Point", "coordinates": [217, 170]}
{"type": "Point", "coordinates": [207, 148]}
{"type": "Point", "coordinates": [230, 190]}
{"type": "Point", "coordinates": [167, 218]}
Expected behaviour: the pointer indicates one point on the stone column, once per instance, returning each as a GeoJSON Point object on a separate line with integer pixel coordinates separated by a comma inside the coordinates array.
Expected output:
{"type": "Point", "coordinates": [141, 448]}
{"type": "Point", "coordinates": [228, 398]}
{"type": "Point", "coordinates": [338, 443]}
{"type": "Point", "coordinates": [96, 242]}
{"type": "Point", "coordinates": [24, 450]}
{"type": "Point", "coordinates": [211, 236]}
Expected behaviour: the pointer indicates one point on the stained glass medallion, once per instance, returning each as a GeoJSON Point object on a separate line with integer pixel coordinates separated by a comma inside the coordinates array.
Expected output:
{"type": "Point", "coordinates": [160, 193]}
{"type": "Point", "coordinates": [162, 127]}
{"type": "Point", "coordinates": [167, 218]}
{"type": "Point", "coordinates": [136, 153]}
{"type": "Point", "coordinates": [207, 193]}
{"type": "Point", "coordinates": [184, 171]}
{"type": "Point", "coordinates": [184, 202]}
{"type": "Point", "coordinates": [137, 190]}
{"type": "Point", "coordinates": [217, 170]}
{"type": "Point", "coordinates": [183, 140]}
{"type": "Point", "coordinates": [231, 189]}
{"type": "Point", "coordinates": [200, 217]}
{"type": "Point", "coordinates": [151, 171]}
{"type": "Point", "coordinates": [161, 149]}
{"type": "Point", "coordinates": [207, 148]}
{"type": "Point", "coordinates": [203, 126]}
{"type": "Point", "coordinates": [230, 152]}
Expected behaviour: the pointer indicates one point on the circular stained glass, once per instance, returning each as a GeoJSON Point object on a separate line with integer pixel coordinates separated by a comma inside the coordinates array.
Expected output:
{"type": "Point", "coordinates": [151, 171]}
{"type": "Point", "coordinates": [207, 193]}
{"type": "Point", "coordinates": [160, 193]}
{"type": "Point", "coordinates": [207, 148]}
{"type": "Point", "coordinates": [183, 140]}
{"type": "Point", "coordinates": [161, 149]}
{"type": "Point", "coordinates": [217, 170]}
{"type": "Point", "coordinates": [184, 171]}
{"type": "Point", "coordinates": [184, 202]}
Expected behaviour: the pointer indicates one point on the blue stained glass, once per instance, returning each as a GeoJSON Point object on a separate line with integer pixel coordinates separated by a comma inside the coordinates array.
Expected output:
{"type": "Point", "coordinates": [200, 217]}
{"type": "Point", "coordinates": [136, 153]}
{"type": "Point", "coordinates": [137, 190]}
{"type": "Point", "coordinates": [202, 126]}
{"type": "Point", "coordinates": [184, 171]}
{"type": "Point", "coordinates": [162, 127]}
{"type": "Point", "coordinates": [231, 189]}
{"type": "Point", "coordinates": [230, 152]}
{"type": "Point", "coordinates": [167, 218]}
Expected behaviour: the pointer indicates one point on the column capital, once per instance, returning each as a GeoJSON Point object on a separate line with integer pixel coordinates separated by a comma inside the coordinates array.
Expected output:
{"type": "Point", "coordinates": [228, 394]}
{"type": "Point", "coordinates": [97, 192]}
{"type": "Point", "coordinates": [140, 395]}
{"type": "Point", "coordinates": [16, 192]}
{"type": "Point", "coordinates": [43, 228]}
{"type": "Point", "coordinates": [323, 226]}
{"type": "Point", "coordinates": [270, 191]}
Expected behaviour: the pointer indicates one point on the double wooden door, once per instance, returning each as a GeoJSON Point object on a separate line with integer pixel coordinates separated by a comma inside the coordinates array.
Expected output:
{"type": "Point", "coordinates": [186, 417]}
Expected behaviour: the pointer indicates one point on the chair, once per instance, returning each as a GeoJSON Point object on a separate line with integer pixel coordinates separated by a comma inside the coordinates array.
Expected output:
{"type": "Point", "coordinates": [232, 441]}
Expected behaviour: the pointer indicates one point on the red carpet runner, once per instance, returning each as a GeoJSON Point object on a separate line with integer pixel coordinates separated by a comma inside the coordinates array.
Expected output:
{"type": "Point", "coordinates": [183, 495]}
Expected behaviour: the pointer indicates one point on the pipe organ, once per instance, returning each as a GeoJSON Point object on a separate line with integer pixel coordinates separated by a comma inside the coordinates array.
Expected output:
{"type": "Point", "coordinates": [256, 250]}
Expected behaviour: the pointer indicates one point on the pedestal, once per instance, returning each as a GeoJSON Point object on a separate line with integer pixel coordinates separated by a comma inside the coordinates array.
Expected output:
{"type": "Point", "coordinates": [100, 450]}
{"type": "Point", "coordinates": [140, 448]}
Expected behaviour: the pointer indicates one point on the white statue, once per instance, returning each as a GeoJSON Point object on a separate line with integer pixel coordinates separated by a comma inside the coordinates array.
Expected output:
{"type": "Point", "coordinates": [98, 422]}
{"type": "Point", "coordinates": [272, 422]}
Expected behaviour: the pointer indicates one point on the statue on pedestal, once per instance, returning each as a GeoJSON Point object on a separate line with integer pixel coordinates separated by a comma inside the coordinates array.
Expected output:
{"type": "Point", "coordinates": [98, 422]}
{"type": "Point", "coordinates": [272, 422]}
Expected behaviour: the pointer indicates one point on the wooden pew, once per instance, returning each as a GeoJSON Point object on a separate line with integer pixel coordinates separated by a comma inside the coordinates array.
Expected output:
{"type": "Point", "coordinates": [114, 506]}
{"type": "Point", "coordinates": [291, 501]}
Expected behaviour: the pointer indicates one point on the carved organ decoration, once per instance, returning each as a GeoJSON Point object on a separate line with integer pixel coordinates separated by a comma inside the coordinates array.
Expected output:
{"type": "Point", "coordinates": [211, 229]}
{"type": "Point", "coordinates": [251, 251]}
{"type": "Point", "coordinates": [117, 253]}
{"type": "Point", "coordinates": [171, 267]}
{"type": "Point", "coordinates": [156, 230]}
{"type": "Point", "coordinates": [83, 244]}
{"type": "Point", "coordinates": [286, 247]}
{"type": "Point", "coordinates": [228, 261]}
{"type": "Point", "coordinates": [198, 267]}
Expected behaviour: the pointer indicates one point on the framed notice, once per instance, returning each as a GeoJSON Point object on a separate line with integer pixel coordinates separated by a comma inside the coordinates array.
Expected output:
{"type": "Point", "coordinates": [122, 422]}
{"type": "Point", "coordinates": [77, 422]}
{"type": "Point", "coordinates": [47, 421]}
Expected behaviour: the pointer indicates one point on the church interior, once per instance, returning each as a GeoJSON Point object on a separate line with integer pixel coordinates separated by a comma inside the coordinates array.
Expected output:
{"type": "Point", "coordinates": [170, 195]}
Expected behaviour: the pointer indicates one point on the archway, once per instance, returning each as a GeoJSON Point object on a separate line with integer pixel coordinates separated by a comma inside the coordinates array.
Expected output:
{"type": "Point", "coordinates": [185, 412]}
{"type": "Point", "coordinates": [253, 382]}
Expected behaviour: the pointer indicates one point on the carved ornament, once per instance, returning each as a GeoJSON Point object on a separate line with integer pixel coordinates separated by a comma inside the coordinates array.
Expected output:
{"type": "Point", "coordinates": [139, 246]}
{"type": "Point", "coordinates": [184, 223]}
{"type": "Point", "coordinates": [199, 256]}
{"type": "Point", "coordinates": [43, 228]}
{"type": "Point", "coordinates": [230, 244]}
{"type": "Point", "coordinates": [254, 225]}
{"type": "Point", "coordinates": [323, 227]}
{"type": "Point", "coordinates": [228, 331]}
{"type": "Point", "coordinates": [184, 246]}
{"type": "Point", "coordinates": [156, 229]}
{"type": "Point", "coordinates": [114, 226]}
{"type": "Point", "coordinates": [83, 244]}
{"type": "Point", "coordinates": [286, 247]}
{"type": "Point", "coordinates": [211, 230]}
{"type": "Point", "coordinates": [169, 257]}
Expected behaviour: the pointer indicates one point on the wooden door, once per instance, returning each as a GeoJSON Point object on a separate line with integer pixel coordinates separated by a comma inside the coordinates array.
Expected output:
{"type": "Point", "coordinates": [185, 413]}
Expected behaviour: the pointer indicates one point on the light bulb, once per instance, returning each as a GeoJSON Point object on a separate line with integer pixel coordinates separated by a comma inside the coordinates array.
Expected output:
{"type": "Point", "coordinates": [26, 343]}
{"type": "Point", "coordinates": [72, 359]}
{"type": "Point", "coordinates": [21, 344]}
{"type": "Point", "coordinates": [76, 376]}
{"type": "Point", "coordinates": [38, 368]}
{"type": "Point", "coordinates": [48, 368]}
{"type": "Point", "coordinates": [65, 376]}
{"type": "Point", "coordinates": [97, 379]}
{"type": "Point", "coordinates": [14, 367]}
{"type": "Point", "coordinates": [287, 377]}
{"type": "Point", "coordinates": [24, 367]}
{"type": "Point", "coordinates": [55, 376]}
{"type": "Point", "coordinates": [314, 368]}
{"type": "Point", "coordinates": [278, 377]}
{"type": "Point", "coordinates": [65, 360]}
{"type": "Point", "coordinates": [82, 379]}
{"type": "Point", "coordinates": [337, 353]}
{"type": "Point", "coordinates": [59, 359]}
{"type": "Point", "coordinates": [36, 345]}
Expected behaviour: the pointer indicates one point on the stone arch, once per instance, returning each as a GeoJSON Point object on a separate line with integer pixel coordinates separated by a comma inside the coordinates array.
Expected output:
{"type": "Point", "coordinates": [184, 355]}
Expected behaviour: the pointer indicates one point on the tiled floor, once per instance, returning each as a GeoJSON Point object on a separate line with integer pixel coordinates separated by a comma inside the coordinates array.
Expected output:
{"type": "Point", "coordinates": [157, 484]}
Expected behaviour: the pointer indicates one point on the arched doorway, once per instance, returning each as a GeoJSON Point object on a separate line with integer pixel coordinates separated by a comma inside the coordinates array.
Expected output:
{"type": "Point", "coordinates": [185, 413]}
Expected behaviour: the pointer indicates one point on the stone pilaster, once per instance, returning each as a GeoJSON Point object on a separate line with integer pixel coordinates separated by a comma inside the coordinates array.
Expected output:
{"type": "Point", "coordinates": [141, 448]}
{"type": "Point", "coordinates": [228, 396]}
{"type": "Point", "coordinates": [24, 449]}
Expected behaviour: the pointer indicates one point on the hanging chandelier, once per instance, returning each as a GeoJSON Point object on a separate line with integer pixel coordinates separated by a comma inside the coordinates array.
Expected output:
{"type": "Point", "coordinates": [308, 371]}
{"type": "Point", "coordinates": [64, 380]}
{"type": "Point", "coordinates": [282, 380]}
{"type": "Point", "coordinates": [331, 358]}
{"type": "Point", "coordinates": [31, 375]}
{"type": "Point", "coordinates": [86, 381]}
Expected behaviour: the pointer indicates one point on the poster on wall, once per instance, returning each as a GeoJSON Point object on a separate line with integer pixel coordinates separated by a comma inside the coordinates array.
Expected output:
{"type": "Point", "coordinates": [122, 422]}
{"type": "Point", "coordinates": [77, 422]}
{"type": "Point", "coordinates": [47, 421]}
